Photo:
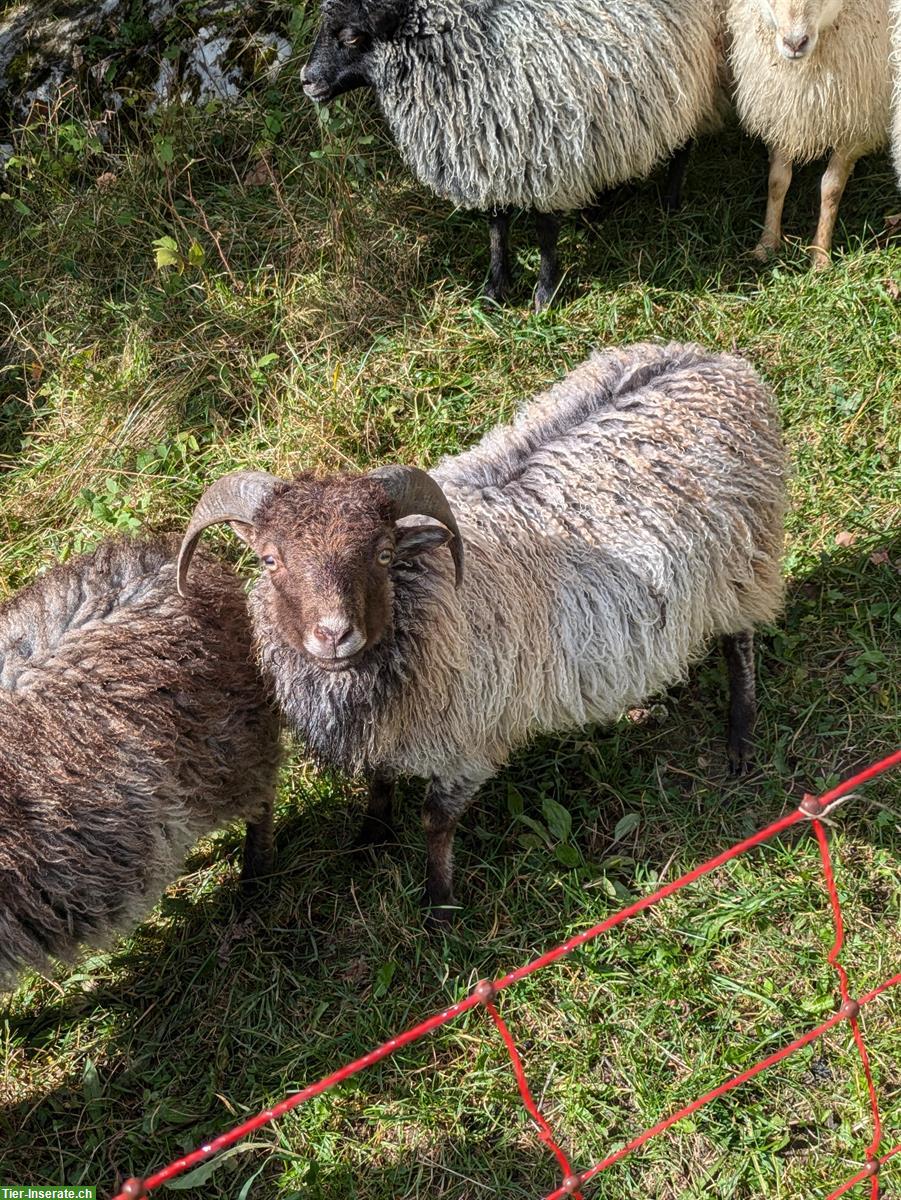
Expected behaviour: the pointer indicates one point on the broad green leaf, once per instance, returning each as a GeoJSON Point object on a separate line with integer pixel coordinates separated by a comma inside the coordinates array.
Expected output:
{"type": "Point", "coordinates": [625, 825]}
{"type": "Point", "coordinates": [558, 819]}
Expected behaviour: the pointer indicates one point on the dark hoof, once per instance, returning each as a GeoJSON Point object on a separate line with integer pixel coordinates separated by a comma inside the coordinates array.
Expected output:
{"type": "Point", "coordinates": [496, 293]}
{"type": "Point", "coordinates": [739, 764]}
{"type": "Point", "coordinates": [439, 914]}
{"type": "Point", "coordinates": [251, 887]}
{"type": "Point", "coordinates": [545, 295]}
{"type": "Point", "coordinates": [441, 917]}
{"type": "Point", "coordinates": [373, 834]}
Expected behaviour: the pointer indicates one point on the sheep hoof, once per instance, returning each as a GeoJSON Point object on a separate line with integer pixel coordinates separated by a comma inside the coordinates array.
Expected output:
{"type": "Point", "coordinates": [765, 251]}
{"type": "Point", "coordinates": [254, 870]}
{"type": "Point", "coordinates": [373, 834]}
{"type": "Point", "coordinates": [819, 259]}
{"type": "Point", "coordinates": [739, 763]}
{"type": "Point", "coordinates": [496, 293]}
{"type": "Point", "coordinates": [543, 298]}
{"type": "Point", "coordinates": [251, 884]}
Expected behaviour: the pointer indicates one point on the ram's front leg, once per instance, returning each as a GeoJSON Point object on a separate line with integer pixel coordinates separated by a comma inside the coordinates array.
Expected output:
{"type": "Point", "coordinates": [259, 849]}
{"type": "Point", "coordinates": [377, 827]}
{"type": "Point", "coordinates": [445, 803]}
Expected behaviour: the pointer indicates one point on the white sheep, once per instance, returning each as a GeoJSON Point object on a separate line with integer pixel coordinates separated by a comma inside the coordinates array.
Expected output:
{"type": "Point", "coordinates": [896, 74]}
{"type": "Point", "coordinates": [811, 77]}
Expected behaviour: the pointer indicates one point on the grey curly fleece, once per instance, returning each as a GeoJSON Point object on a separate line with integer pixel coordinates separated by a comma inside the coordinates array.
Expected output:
{"type": "Point", "coordinates": [132, 722]}
{"type": "Point", "coordinates": [541, 105]}
{"type": "Point", "coordinates": [627, 516]}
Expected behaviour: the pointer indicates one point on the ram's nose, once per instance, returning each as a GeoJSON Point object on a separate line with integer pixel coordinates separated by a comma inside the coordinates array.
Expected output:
{"type": "Point", "coordinates": [334, 638]}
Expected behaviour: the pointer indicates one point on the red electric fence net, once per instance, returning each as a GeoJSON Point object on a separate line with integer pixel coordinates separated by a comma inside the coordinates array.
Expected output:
{"type": "Point", "coordinates": [812, 809]}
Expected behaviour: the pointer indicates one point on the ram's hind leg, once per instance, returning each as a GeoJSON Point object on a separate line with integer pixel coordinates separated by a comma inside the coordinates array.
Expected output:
{"type": "Point", "coordinates": [445, 803]}
{"type": "Point", "coordinates": [738, 649]}
{"type": "Point", "coordinates": [377, 827]}
{"type": "Point", "coordinates": [259, 848]}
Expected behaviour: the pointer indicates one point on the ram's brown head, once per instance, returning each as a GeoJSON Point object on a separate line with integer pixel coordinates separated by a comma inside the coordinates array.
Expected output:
{"type": "Point", "coordinates": [328, 546]}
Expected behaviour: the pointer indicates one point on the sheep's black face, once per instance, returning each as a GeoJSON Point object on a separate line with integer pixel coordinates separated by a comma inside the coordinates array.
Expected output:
{"type": "Point", "coordinates": [338, 62]}
{"type": "Point", "coordinates": [341, 56]}
{"type": "Point", "coordinates": [328, 546]}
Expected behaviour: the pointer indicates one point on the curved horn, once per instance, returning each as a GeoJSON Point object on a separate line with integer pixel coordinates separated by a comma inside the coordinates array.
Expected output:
{"type": "Point", "coordinates": [234, 497]}
{"type": "Point", "coordinates": [413, 491]}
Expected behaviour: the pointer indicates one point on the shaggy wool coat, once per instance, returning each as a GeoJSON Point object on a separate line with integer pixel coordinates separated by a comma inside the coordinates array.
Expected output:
{"type": "Point", "coordinates": [839, 98]}
{"type": "Point", "coordinates": [624, 519]}
{"type": "Point", "coordinates": [498, 103]}
{"type": "Point", "coordinates": [133, 722]}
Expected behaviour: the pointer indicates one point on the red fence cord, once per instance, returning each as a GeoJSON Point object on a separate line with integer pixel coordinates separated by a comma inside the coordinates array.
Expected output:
{"type": "Point", "coordinates": [811, 808]}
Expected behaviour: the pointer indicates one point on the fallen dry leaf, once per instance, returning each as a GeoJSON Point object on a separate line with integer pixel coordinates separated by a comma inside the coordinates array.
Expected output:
{"type": "Point", "coordinates": [879, 557]}
{"type": "Point", "coordinates": [259, 174]}
{"type": "Point", "coordinates": [845, 538]}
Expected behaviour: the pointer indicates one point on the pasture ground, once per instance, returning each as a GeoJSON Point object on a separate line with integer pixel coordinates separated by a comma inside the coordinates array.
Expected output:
{"type": "Point", "coordinates": [319, 309]}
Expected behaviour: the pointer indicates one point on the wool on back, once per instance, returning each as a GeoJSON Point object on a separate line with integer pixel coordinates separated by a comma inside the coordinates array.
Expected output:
{"type": "Point", "coordinates": [635, 510]}
{"type": "Point", "coordinates": [543, 105]}
{"type": "Point", "coordinates": [627, 515]}
{"type": "Point", "coordinates": [838, 97]}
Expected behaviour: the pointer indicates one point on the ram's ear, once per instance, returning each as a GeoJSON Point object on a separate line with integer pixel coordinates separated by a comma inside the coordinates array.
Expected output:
{"type": "Point", "coordinates": [413, 540]}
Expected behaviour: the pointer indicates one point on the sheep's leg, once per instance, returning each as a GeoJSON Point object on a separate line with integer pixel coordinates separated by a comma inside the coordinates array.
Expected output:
{"type": "Point", "coordinates": [445, 803]}
{"type": "Point", "coordinates": [675, 177]}
{"type": "Point", "coordinates": [780, 178]}
{"type": "Point", "coordinates": [549, 272]}
{"type": "Point", "coordinates": [377, 827]}
{"type": "Point", "coordinates": [832, 186]}
{"type": "Point", "coordinates": [500, 274]}
{"type": "Point", "coordinates": [738, 650]}
{"type": "Point", "coordinates": [259, 848]}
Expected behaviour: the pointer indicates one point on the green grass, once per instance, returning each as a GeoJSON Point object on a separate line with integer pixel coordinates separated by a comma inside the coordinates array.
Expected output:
{"type": "Point", "coordinates": [330, 316]}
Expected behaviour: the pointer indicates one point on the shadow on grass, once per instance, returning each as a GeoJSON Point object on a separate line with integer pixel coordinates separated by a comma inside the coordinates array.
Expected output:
{"type": "Point", "coordinates": [704, 247]}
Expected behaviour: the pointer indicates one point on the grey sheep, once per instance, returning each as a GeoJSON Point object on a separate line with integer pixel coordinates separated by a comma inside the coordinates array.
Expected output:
{"type": "Point", "coordinates": [133, 722]}
{"type": "Point", "coordinates": [625, 518]}
{"type": "Point", "coordinates": [812, 78]}
{"type": "Point", "coordinates": [534, 104]}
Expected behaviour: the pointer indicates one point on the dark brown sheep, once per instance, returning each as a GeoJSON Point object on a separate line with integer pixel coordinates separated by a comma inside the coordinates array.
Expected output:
{"type": "Point", "coordinates": [133, 722]}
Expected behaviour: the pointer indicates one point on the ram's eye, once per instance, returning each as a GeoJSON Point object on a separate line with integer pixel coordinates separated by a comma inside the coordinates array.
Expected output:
{"type": "Point", "coordinates": [350, 39]}
{"type": "Point", "coordinates": [384, 557]}
{"type": "Point", "coordinates": [269, 562]}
